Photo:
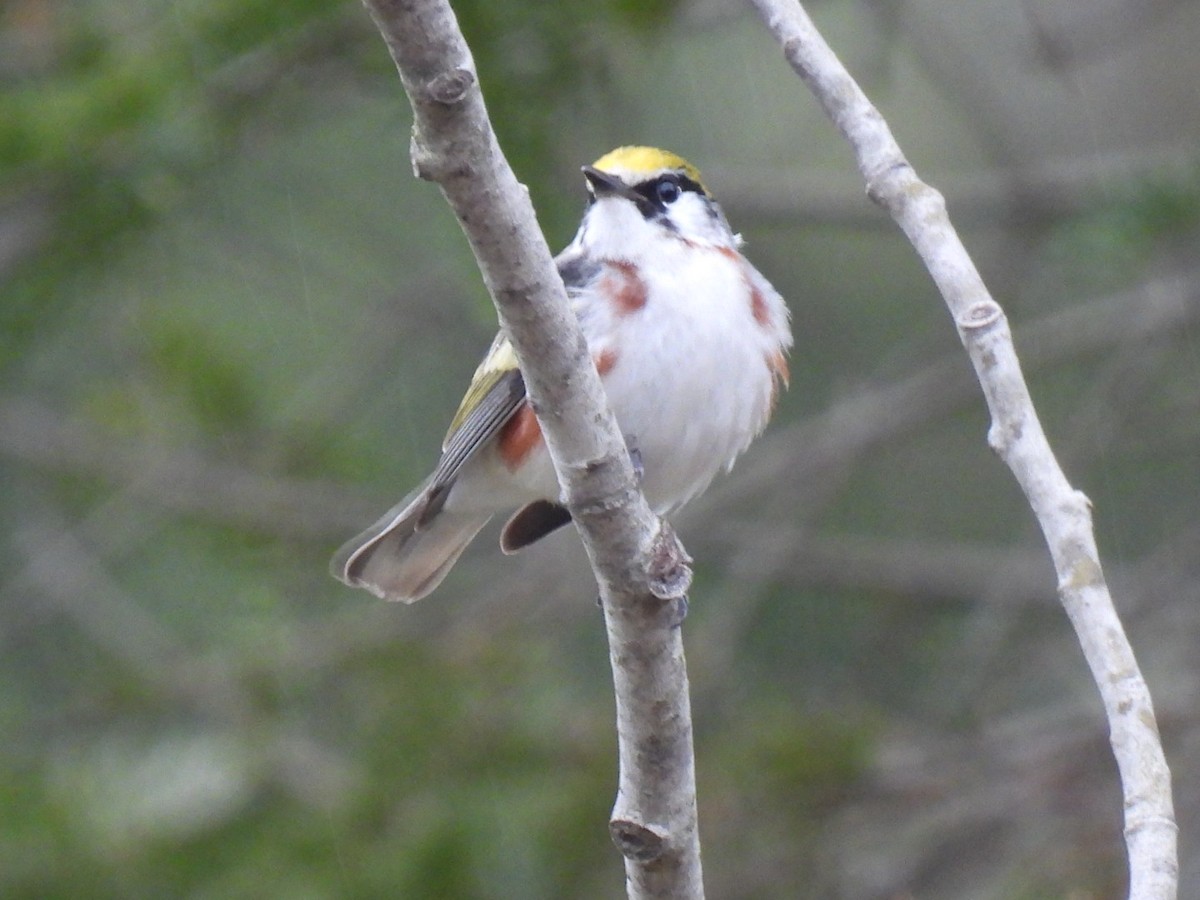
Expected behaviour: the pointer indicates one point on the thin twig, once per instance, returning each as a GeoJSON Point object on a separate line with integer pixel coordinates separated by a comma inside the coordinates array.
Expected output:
{"type": "Point", "coordinates": [1063, 513]}
{"type": "Point", "coordinates": [640, 567]}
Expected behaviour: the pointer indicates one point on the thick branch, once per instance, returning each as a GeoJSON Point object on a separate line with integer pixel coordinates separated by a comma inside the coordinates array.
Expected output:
{"type": "Point", "coordinates": [1063, 513]}
{"type": "Point", "coordinates": [641, 568]}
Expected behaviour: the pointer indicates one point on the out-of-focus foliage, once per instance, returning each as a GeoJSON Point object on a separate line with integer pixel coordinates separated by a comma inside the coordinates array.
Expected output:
{"type": "Point", "coordinates": [110, 111]}
{"type": "Point", "coordinates": [232, 329]}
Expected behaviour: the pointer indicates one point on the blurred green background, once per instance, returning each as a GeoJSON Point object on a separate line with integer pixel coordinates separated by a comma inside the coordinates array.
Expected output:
{"type": "Point", "coordinates": [232, 331]}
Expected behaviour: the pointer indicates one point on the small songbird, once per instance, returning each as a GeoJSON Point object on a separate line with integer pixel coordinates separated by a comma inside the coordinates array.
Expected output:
{"type": "Point", "coordinates": [689, 340]}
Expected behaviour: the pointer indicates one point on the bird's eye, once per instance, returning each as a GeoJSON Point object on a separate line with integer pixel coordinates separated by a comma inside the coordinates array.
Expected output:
{"type": "Point", "coordinates": [668, 190]}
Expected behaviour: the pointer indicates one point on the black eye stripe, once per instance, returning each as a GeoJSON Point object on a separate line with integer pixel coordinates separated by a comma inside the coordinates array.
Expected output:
{"type": "Point", "coordinates": [649, 189]}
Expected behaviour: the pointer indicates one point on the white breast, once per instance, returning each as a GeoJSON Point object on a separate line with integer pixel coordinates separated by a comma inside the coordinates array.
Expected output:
{"type": "Point", "coordinates": [692, 384]}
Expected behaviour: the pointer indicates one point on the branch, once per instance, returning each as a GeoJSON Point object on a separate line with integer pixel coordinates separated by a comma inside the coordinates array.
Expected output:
{"type": "Point", "coordinates": [1032, 194]}
{"type": "Point", "coordinates": [640, 567]}
{"type": "Point", "coordinates": [1063, 513]}
{"type": "Point", "coordinates": [876, 414]}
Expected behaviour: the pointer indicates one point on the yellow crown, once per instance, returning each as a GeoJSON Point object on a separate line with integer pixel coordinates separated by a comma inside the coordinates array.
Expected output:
{"type": "Point", "coordinates": [639, 163]}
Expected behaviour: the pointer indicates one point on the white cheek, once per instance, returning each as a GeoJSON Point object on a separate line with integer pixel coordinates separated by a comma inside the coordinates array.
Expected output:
{"type": "Point", "coordinates": [693, 216]}
{"type": "Point", "coordinates": [689, 214]}
{"type": "Point", "coordinates": [614, 229]}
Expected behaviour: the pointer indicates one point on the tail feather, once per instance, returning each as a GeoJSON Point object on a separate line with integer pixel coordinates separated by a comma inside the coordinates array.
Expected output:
{"type": "Point", "coordinates": [404, 556]}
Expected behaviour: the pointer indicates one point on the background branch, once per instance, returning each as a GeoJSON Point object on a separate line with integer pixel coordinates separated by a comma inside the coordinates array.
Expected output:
{"type": "Point", "coordinates": [640, 567]}
{"type": "Point", "coordinates": [1063, 513]}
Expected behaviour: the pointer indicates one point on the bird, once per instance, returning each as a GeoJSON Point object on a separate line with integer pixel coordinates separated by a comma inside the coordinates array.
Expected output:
{"type": "Point", "coordinates": [691, 344]}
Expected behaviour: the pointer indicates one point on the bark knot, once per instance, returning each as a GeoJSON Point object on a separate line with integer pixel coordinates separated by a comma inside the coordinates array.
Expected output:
{"type": "Point", "coordinates": [641, 843]}
{"type": "Point", "coordinates": [980, 316]}
{"type": "Point", "coordinates": [892, 184]}
{"type": "Point", "coordinates": [449, 88]}
{"type": "Point", "coordinates": [669, 571]}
